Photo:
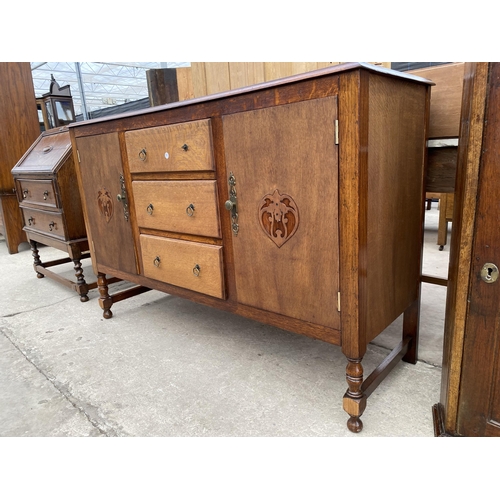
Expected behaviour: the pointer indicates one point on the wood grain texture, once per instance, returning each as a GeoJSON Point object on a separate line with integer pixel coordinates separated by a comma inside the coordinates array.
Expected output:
{"type": "Point", "coordinates": [112, 239]}
{"type": "Point", "coordinates": [12, 218]}
{"type": "Point", "coordinates": [20, 128]}
{"type": "Point", "coordinates": [353, 139]}
{"type": "Point", "coordinates": [261, 149]}
{"type": "Point", "coordinates": [185, 84]}
{"type": "Point", "coordinates": [243, 74]}
{"type": "Point", "coordinates": [446, 98]}
{"type": "Point", "coordinates": [18, 118]}
{"type": "Point", "coordinates": [41, 192]}
{"type": "Point", "coordinates": [479, 401]}
{"type": "Point", "coordinates": [468, 161]}
{"type": "Point", "coordinates": [164, 205]}
{"type": "Point", "coordinates": [50, 223]}
{"type": "Point", "coordinates": [182, 147]}
{"type": "Point", "coordinates": [162, 86]}
{"type": "Point", "coordinates": [441, 169]}
{"type": "Point", "coordinates": [175, 262]}
{"type": "Point", "coordinates": [396, 144]}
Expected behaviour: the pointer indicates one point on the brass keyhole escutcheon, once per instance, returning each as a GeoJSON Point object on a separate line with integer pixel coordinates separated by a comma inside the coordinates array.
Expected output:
{"type": "Point", "coordinates": [185, 147]}
{"type": "Point", "coordinates": [157, 261]}
{"type": "Point", "coordinates": [489, 273]}
{"type": "Point", "coordinates": [150, 209]}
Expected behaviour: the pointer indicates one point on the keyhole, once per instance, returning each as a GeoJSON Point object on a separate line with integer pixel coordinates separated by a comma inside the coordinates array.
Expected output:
{"type": "Point", "coordinates": [489, 273]}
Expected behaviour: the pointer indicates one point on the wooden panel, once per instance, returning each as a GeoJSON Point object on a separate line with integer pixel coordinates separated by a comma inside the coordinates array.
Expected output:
{"type": "Point", "coordinates": [217, 77]}
{"type": "Point", "coordinates": [457, 299]}
{"type": "Point", "coordinates": [243, 74]}
{"type": "Point", "coordinates": [37, 192]}
{"type": "Point", "coordinates": [446, 98]}
{"type": "Point", "coordinates": [396, 141]}
{"type": "Point", "coordinates": [441, 169]}
{"type": "Point", "coordinates": [18, 118]}
{"type": "Point", "coordinates": [299, 278]}
{"type": "Point", "coordinates": [112, 240]}
{"type": "Point", "coordinates": [199, 79]}
{"type": "Point", "coordinates": [164, 205]}
{"type": "Point", "coordinates": [353, 136]}
{"type": "Point", "coordinates": [177, 262]}
{"type": "Point", "coordinates": [12, 222]}
{"type": "Point", "coordinates": [47, 154]}
{"type": "Point", "coordinates": [479, 403]}
{"type": "Point", "coordinates": [50, 223]}
{"type": "Point", "coordinates": [171, 148]}
{"type": "Point", "coordinates": [185, 84]}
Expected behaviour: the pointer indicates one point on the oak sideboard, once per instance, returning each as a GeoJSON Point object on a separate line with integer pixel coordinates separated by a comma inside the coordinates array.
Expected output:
{"type": "Point", "coordinates": [298, 203]}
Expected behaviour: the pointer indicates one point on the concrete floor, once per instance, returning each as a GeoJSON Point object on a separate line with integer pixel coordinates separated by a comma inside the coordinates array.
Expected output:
{"type": "Point", "coordinates": [163, 366]}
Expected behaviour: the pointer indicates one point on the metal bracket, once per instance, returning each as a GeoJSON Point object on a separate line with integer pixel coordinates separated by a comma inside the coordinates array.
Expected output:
{"type": "Point", "coordinates": [123, 197]}
{"type": "Point", "coordinates": [231, 204]}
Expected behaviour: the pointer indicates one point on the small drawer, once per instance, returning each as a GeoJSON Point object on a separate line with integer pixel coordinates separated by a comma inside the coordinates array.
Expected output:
{"type": "Point", "coordinates": [44, 222]}
{"type": "Point", "coordinates": [188, 207]}
{"type": "Point", "coordinates": [171, 148]}
{"type": "Point", "coordinates": [195, 266]}
{"type": "Point", "coordinates": [37, 192]}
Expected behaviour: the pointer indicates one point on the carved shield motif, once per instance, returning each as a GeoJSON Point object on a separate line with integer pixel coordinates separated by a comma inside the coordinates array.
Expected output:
{"type": "Point", "coordinates": [279, 217]}
{"type": "Point", "coordinates": [105, 203]}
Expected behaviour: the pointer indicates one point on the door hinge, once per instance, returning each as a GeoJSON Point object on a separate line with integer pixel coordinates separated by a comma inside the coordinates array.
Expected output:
{"type": "Point", "coordinates": [78, 155]}
{"type": "Point", "coordinates": [336, 131]}
{"type": "Point", "coordinates": [338, 301]}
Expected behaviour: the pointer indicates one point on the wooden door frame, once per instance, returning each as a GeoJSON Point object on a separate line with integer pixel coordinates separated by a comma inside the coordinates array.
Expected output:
{"type": "Point", "coordinates": [464, 217]}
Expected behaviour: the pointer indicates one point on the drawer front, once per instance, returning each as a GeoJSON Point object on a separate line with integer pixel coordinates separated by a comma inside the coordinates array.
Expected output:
{"type": "Point", "coordinates": [37, 192]}
{"type": "Point", "coordinates": [171, 148]}
{"type": "Point", "coordinates": [44, 222]}
{"type": "Point", "coordinates": [180, 206]}
{"type": "Point", "coordinates": [195, 266]}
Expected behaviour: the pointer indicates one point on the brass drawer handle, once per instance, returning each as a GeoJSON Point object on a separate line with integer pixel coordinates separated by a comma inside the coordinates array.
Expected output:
{"type": "Point", "coordinates": [25, 193]}
{"type": "Point", "coordinates": [52, 225]}
{"type": "Point", "coordinates": [196, 270]}
{"type": "Point", "coordinates": [143, 154]}
{"type": "Point", "coordinates": [157, 261]}
{"type": "Point", "coordinates": [45, 195]}
{"type": "Point", "coordinates": [31, 221]}
{"type": "Point", "coordinates": [150, 209]}
{"type": "Point", "coordinates": [46, 150]}
{"type": "Point", "coordinates": [190, 210]}
{"type": "Point", "coordinates": [185, 147]}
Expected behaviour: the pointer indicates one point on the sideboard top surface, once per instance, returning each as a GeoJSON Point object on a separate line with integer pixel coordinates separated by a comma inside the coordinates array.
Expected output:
{"type": "Point", "coordinates": [331, 70]}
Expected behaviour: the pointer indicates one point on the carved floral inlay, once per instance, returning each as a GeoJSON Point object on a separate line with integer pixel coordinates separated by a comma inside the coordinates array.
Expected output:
{"type": "Point", "coordinates": [279, 217]}
{"type": "Point", "coordinates": [105, 203]}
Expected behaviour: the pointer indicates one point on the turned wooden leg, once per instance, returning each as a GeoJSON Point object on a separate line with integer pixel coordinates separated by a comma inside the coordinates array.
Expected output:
{"type": "Point", "coordinates": [81, 285]}
{"type": "Point", "coordinates": [354, 399]}
{"type": "Point", "coordinates": [36, 258]}
{"type": "Point", "coordinates": [105, 301]}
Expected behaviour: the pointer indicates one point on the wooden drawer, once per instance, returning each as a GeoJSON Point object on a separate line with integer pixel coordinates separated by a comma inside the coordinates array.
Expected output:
{"type": "Point", "coordinates": [44, 222]}
{"type": "Point", "coordinates": [37, 192]}
{"type": "Point", "coordinates": [180, 206]}
{"type": "Point", "coordinates": [171, 148]}
{"type": "Point", "coordinates": [175, 262]}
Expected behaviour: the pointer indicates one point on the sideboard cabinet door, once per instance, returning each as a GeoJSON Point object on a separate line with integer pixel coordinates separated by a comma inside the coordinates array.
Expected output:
{"type": "Point", "coordinates": [284, 163]}
{"type": "Point", "coordinates": [102, 175]}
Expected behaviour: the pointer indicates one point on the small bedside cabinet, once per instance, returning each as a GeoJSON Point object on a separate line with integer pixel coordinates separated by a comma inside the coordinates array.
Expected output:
{"type": "Point", "coordinates": [49, 199]}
